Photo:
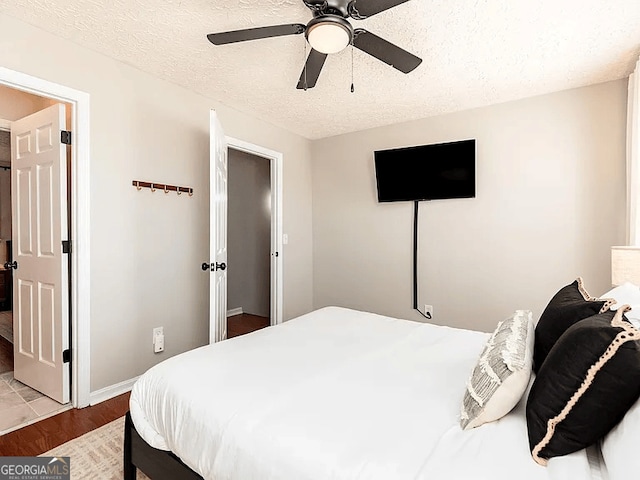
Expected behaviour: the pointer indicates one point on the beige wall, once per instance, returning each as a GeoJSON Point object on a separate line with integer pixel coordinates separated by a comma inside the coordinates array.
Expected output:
{"type": "Point", "coordinates": [146, 248]}
{"type": "Point", "coordinates": [249, 233]}
{"type": "Point", "coordinates": [550, 202]}
{"type": "Point", "coordinates": [15, 104]}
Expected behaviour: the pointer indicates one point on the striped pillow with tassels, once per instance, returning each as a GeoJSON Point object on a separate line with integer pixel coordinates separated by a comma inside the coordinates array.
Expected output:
{"type": "Point", "coordinates": [502, 373]}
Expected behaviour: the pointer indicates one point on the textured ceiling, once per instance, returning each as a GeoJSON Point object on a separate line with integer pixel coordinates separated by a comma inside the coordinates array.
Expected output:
{"type": "Point", "coordinates": [475, 53]}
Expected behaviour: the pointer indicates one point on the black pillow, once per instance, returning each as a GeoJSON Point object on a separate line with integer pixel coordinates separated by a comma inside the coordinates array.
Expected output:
{"type": "Point", "coordinates": [589, 380]}
{"type": "Point", "coordinates": [570, 305]}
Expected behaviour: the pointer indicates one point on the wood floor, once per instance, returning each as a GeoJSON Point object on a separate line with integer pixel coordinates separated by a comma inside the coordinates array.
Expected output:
{"type": "Point", "coordinates": [54, 431]}
{"type": "Point", "coordinates": [245, 323]}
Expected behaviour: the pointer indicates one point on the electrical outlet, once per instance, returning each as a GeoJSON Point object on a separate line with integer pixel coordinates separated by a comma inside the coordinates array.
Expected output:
{"type": "Point", "coordinates": [158, 340]}
{"type": "Point", "coordinates": [428, 311]}
{"type": "Point", "coordinates": [157, 332]}
{"type": "Point", "coordinates": [158, 345]}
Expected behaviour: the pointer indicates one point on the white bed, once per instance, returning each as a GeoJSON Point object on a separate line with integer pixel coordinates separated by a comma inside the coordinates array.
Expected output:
{"type": "Point", "coordinates": [335, 394]}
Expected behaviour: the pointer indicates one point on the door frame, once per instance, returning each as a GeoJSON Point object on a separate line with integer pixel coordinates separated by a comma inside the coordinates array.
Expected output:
{"type": "Point", "coordinates": [275, 161]}
{"type": "Point", "coordinates": [80, 302]}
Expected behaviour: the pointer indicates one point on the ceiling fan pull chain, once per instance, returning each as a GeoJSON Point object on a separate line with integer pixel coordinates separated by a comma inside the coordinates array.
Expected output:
{"type": "Point", "coordinates": [352, 87]}
{"type": "Point", "coordinates": [305, 64]}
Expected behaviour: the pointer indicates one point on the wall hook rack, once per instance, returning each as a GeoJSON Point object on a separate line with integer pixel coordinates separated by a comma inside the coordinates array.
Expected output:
{"type": "Point", "coordinates": [166, 188]}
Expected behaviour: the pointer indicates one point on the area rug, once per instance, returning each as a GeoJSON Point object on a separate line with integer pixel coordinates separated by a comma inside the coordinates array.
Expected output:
{"type": "Point", "coordinates": [6, 325]}
{"type": "Point", "coordinates": [97, 454]}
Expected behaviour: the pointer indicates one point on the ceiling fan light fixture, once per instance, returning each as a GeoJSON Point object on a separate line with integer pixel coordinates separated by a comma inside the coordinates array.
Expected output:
{"type": "Point", "coordinates": [329, 34]}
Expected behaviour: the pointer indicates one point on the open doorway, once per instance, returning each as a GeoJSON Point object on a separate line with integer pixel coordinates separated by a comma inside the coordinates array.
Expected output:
{"type": "Point", "coordinates": [6, 317]}
{"type": "Point", "coordinates": [21, 404]}
{"type": "Point", "coordinates": [248, 243]}
{"type": "Point", "coordinates": [80, 220]}
{"type": "Point", "coordinates": [220, 147]}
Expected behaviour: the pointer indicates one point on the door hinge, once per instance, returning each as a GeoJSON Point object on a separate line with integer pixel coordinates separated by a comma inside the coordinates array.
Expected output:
{"type": "Point", "coordinates": [66, 356]}
{"type": "Point", "coordinates": [66, 246]}
{"type": "Point", "coordinates": [65, 137]}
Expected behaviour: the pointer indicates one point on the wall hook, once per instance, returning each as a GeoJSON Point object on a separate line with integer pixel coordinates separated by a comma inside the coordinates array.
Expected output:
{"type": "Point", "coordinates": [166, 188]}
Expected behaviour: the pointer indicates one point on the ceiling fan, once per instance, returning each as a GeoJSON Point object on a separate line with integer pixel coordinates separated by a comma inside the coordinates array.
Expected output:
{"type": "Point", "coordinates": [328, 32]}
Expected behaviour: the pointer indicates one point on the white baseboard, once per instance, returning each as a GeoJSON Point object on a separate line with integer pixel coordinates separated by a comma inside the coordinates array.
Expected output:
{"type": "Point", "coordinates": [234, 311]}
{"type": "Point", "coordinates": [111, 391]}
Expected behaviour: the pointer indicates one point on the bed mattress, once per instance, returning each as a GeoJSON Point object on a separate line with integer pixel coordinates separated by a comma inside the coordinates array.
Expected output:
{"type": "Point", "coordinates": [334, 394]}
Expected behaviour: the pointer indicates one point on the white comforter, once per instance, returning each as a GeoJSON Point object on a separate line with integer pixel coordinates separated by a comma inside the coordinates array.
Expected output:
{"type": "Point", "coordinates": [335, 394]}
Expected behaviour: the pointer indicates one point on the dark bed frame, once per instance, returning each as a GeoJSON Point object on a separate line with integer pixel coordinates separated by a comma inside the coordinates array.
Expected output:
{"type": "Point", "coordinates": [156, 464]}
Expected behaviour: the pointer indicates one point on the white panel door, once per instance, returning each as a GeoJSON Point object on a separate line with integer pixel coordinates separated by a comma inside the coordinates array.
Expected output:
{"type": "Point", "coordinates": [218, 232]}
{"type": "Point", "coordinates": [39, 224]}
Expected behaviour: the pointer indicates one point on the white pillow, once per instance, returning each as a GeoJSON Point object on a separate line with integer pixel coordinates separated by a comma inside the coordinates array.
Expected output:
{"type": "Point", "coordinates": [502, 373]}
{"type": "Point", "coordinates": [626, 294]}
{"type": "Point", "coordinates": [620, 446]}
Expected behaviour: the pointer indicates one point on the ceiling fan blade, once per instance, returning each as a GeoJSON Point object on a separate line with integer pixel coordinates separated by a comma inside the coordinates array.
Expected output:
{"type": "Point", "coordinates": [385, 51]}
{"type": "Point", "coordinates": [361, 9]}
{"type": "Point", "coordinates": [312, 68]}
{"type": "Point", "coordinates": [256, 33]}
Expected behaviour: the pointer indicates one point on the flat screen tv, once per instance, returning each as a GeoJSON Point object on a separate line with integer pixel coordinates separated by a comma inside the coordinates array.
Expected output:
{"type": "Point", "coordinates": [427, 172]}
